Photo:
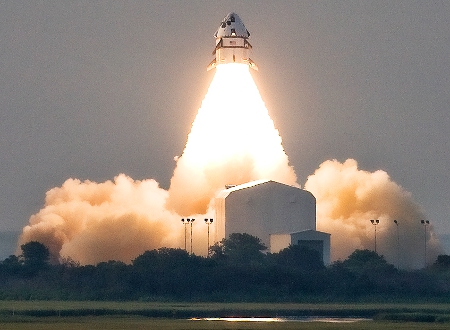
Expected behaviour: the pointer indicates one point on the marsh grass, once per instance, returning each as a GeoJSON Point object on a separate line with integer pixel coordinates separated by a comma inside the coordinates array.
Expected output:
{"type": "Point", "coordinates": [131, 323]}
{"type": "Point", "coordinates": [168, 315]}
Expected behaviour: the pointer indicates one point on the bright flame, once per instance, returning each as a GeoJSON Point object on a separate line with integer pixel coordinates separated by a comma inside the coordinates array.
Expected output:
{"type": "Point", "coordinates": [233, 140]}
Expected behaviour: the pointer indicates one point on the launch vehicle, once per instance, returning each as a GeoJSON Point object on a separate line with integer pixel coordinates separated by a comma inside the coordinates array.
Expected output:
{"type": "Point", "coordinates": [232, 44]}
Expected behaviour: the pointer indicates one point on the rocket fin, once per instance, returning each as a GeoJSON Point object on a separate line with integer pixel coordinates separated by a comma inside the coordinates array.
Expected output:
{"type": "Point", "coordinates": [211, 65]}
{"type": "Point", "coordinates": [252, 64]}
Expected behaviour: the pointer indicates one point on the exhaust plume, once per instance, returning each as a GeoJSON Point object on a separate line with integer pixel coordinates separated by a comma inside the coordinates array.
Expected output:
{"type": "Point", "coordinates": [232, 141]}
{"type": "Point", "coordinates": [91, 222]}
{"type": "Point", "coordinates": [348, 198]}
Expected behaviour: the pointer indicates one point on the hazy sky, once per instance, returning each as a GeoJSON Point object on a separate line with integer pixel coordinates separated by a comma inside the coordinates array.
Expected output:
{"type": "Point", "coordinates": [93, 89]}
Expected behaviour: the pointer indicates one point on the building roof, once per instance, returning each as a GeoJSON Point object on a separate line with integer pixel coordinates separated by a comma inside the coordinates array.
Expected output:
{"type": "Point", "coordinates": [225, 192]}
{"type": "Point", "coordinates": [304, 232]}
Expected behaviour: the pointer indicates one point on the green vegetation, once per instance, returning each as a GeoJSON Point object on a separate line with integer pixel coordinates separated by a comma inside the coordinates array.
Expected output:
{"type": "Point", "coordinates": [166, 288]}
{"type": "Point", "coordinates": [152, 315]}
{"type": "Point", "coordinates": [168, 324]}
{"type": "Point", "coordinates": [237, 270]}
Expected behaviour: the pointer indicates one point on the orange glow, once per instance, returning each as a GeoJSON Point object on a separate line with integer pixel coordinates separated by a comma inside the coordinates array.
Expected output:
{"type": "Point", "coordinates": [233, 140]}
{"type": "Point", "coordinates": [233, 121]}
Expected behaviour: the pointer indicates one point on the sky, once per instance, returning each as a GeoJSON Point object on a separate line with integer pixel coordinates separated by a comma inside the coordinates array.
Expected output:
{"type": "Point", "coordinates": [90, 90]}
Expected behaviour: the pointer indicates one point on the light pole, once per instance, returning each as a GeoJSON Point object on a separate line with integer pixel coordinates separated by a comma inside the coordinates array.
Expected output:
{"type": "Point", "coordinates": [185, 222]}
{"type": "Point", "coordinates": [398, 244]}
{"type": "Point", "coordinates": [208, 222]}
{"type": "Point", "coordinates": [192, 221]}
{"type": "Point", "coordinates": [425, 224]}
{"type": "Point", "coordinates": [375, 223]}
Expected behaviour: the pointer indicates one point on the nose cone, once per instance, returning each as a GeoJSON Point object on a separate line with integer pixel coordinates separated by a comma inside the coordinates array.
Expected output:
{"type": "Point", "coordinates": [232, 26]}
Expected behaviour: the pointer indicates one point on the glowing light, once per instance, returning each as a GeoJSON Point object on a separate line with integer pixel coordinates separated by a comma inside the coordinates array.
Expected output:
{"type": "Point", "coordinates": [233, 121]}
{"type": "Point", "coordinates": [302, 319]}
{"type": "Point", "coordinates": [232, 140]}
{"type": "Point", "coordinates": [242, 319]}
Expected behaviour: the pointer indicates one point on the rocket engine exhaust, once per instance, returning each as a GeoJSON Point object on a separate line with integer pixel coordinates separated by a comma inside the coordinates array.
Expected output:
{"type": "Point", "coordinates": [230, 142]}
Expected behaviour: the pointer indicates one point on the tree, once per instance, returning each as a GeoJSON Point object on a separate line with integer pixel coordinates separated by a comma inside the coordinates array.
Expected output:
{"type": "Point", "coordinates": [11, 266]}
{"type": "Point", "coordinates": [299, 257]}
{"type": "Point", "coordinates": [162, 258]}
{"type": "Point", "coordinates": [166, 271]}
{"type": "Point", "coordinates": [366, 261]}
{"type": "Point", "coordinates": [12, 260]}
{"type": "Point", "coordinates": [240, 249]}
{"type": "Point", "coordinates": [366, 272]}
{"type": "Point", "coordinates": [35, 256]}
{"type": "Point", "coordinates": [442, 261]}
{"type": "Point", "coordinates": [216, 251]}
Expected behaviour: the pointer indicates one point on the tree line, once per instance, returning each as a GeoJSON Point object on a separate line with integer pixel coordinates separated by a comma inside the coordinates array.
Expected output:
{"type": "Point", "coordinates": [237, 269]}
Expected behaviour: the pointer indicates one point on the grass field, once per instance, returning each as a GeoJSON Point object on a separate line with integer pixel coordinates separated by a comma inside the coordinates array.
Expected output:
{"type": "Point", "coordinates": [107, 322]}
{"type": "Point", "coordinates": [154, 315]}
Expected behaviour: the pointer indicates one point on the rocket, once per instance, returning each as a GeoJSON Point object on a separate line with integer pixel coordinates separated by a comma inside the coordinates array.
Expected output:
{"type": "Point", "coordinates": [232, 44]}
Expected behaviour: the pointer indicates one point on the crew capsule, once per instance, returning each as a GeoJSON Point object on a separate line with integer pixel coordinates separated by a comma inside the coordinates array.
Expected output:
{"type": "Point", "coordinates": [232, 44]}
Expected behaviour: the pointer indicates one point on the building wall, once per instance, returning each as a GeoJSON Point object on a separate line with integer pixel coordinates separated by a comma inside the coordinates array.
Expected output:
{"type": "Point", "coordinates": [312, 235]}
{"type": "Point", "coordinates": [265, 208]}
{"type": "Point", "coordinates": [279, 242]}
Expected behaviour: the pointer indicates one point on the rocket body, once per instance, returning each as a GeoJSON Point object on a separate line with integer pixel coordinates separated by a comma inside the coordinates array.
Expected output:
{"type": "Point", "coordinates": [232, 44]}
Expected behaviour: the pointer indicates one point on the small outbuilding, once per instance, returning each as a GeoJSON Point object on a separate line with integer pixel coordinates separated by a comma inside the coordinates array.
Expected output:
{"type": "Point", "coordinates": [312, 239]}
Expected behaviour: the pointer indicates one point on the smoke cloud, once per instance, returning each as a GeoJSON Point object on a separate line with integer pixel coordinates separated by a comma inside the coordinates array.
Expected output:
{"type": "Point", "coordinates": [91, 222]}
{"type": "Point", "coordinates": [230, 142]}
{"type": "Point", "coordinates": [348, 198]}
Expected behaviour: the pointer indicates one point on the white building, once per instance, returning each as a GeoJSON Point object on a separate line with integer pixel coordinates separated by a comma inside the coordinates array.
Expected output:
{"type": "Point", "coordinates": [273, 212]}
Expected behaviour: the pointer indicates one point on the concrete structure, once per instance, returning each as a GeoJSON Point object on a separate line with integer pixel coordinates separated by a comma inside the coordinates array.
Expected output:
{"type": "Point", "coordinates": [279, 214]}
{"type": "Point", "coordinates": [312, 239]}
{"type": "Point", "coordinates": [261, 208]}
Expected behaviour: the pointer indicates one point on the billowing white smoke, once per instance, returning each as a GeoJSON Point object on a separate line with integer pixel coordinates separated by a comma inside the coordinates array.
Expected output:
{"type": "Point", "coordinates": [92, 222]}
{"type": "Point", "coordinates": [348, 198]}
{"type": "Point", "coordinates": [232, 141]}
